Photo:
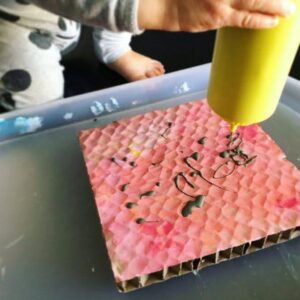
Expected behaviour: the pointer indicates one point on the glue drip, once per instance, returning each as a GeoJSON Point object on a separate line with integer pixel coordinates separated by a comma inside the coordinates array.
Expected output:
{"type": "Point", "coordinates": [234, 127]}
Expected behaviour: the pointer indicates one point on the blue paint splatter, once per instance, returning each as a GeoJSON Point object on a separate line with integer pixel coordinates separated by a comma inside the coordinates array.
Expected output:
{"type": "Point", "coordinates": [183, 88]}
{"type": "Point", "coordinates": [135, 102]}
{"type": "Point", "coordinates": [112, 105]}
{"type": "Point", "coordinates": [27, 125]}
{"type": "Point", "coordinates": [97, 108]}
{"type": "Point", "coordinates": [68, 116]}
{"type": "Point", "coordinates": [115, 102]}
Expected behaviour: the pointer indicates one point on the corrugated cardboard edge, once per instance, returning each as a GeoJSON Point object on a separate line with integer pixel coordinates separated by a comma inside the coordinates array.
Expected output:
{"type": "Point", "coordinates": [200, 263]}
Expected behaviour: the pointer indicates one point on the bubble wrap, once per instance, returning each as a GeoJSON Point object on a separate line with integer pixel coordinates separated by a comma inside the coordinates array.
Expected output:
{"type": "Point", "coordinates": [132, 164]}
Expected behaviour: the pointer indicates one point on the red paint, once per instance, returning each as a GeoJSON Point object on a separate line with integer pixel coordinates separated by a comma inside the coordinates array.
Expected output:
{"type": "Point", "coordinates": [289, 203]}
{"type": "Point", "coordinates": [155, 248]}
{"type": "Point", "coordinates": [150, 229]}
{"type": "Point", "coordinates": [167, 227]}
{"type": "Point", "coordinates": [168, 244]}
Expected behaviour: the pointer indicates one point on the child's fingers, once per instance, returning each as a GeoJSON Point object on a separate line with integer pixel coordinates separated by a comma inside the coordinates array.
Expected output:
{"type": "Point", "coordinates": [271, 7]}
{"type": "Point", "coordinates": [150, 74]}
{"type": "Point", "coordinates": [159, 71]}
{"type": "Point", "coordinates": [253, 20]}
{"type": "Point", "coordinates": [159, 66]}
{"type": "Point", "coordinates": [154, 72]}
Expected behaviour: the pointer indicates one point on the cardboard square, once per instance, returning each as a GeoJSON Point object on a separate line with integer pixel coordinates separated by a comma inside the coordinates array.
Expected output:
{"type": "Point", "coordinates": [176, 191]}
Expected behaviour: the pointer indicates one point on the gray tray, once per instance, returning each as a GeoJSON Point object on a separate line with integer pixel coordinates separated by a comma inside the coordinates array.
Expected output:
{"type": "Point", "coordinates": [51, 245]}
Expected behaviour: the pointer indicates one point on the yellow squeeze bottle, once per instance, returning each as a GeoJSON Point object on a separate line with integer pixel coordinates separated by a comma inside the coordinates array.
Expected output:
{"type": "Point", "coordinates": [250, 68]}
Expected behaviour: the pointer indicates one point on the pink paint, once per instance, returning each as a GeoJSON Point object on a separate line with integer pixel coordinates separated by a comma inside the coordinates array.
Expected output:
{"type": "Point", "coordinates": [249, 132]}
{"type": "Point", "coordinates": [258, 200]}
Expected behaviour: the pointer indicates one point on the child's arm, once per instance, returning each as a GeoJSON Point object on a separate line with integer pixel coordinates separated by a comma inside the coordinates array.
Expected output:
{"type": "Point", "coordinates": [171, 15]}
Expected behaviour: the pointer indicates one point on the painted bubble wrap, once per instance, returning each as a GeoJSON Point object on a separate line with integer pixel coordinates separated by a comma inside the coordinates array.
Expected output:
{"type": "Point", "coordinates": [176, 191]}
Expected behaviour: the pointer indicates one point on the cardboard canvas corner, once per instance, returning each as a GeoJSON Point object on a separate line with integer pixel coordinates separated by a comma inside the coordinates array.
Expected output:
{"type": "Point", "coordinates": [209, 260]}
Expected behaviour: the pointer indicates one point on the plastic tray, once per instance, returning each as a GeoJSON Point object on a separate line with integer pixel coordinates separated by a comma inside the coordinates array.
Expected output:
{"type": "Point", "coordinates": [50, 241]}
